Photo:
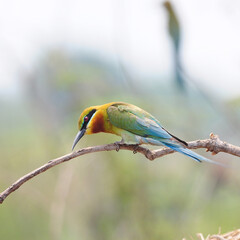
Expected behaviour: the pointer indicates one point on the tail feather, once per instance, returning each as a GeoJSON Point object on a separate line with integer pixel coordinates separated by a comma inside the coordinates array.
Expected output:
{"type": "Point", "coordinates": [192, 154]}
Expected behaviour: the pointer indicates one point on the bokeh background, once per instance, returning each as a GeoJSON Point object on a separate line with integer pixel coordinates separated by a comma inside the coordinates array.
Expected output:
{"type": "Point", "coordinates": [178, 60]}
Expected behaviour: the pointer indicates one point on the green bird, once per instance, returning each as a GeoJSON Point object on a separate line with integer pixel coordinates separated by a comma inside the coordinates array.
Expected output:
{"type": "Point", "coordinates": [133, 124]}
{"type": "Point", "coordinates": [174, 31]}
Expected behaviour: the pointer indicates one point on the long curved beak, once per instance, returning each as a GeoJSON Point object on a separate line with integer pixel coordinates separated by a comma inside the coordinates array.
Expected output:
{"type": "Point", "coordinates": [78, 137]}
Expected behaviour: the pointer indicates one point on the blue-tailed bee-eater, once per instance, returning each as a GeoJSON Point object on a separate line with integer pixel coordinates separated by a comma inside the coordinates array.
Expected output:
{"type": "Point", "coordinates": [174, 30]}
{"type": "Point", "coordinates": [133, 124]}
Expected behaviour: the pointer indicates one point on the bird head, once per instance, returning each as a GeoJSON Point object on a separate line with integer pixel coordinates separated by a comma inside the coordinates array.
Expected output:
{"type": "Point", "coordinates": [167, 4]}
{"type": "Point", "coordinates": [84, 123]}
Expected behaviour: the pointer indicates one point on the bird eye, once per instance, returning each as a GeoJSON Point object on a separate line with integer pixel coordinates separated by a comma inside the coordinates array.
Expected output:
{"type": "Point", "coordinates": [85, 119]}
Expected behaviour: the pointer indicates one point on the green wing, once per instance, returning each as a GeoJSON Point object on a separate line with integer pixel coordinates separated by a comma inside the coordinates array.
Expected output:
{"type": "Point", "coordinates": [136, 121]}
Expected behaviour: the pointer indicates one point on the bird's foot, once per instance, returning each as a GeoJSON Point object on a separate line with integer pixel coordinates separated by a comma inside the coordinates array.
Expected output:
{"type": "Point", "coordinates": [135, 148]}
{"type": "Point", "coordinates": [117, 144]}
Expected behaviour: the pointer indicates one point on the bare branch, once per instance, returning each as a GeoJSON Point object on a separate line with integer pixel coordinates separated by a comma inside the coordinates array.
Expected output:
{"type": "Point", "coordinates": [214, 145]}
{"type": "Point", "coordinates": [235, 235]}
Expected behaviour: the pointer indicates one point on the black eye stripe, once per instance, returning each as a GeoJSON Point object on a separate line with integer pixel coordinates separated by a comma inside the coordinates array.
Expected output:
{"type": "Point", "coordinates": [89, 115]}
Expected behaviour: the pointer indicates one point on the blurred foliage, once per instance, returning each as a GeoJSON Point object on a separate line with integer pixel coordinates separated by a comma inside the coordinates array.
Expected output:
{"type": "Point", "coordinates": [109, 195]}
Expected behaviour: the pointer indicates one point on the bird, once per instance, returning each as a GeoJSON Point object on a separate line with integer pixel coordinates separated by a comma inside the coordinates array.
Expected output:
{"type": "Point", "coordinates": [173, 24]}
{"type": "Point", "coordinates": [133, 124]}
{"type": "Point", "coordinates": [174, 30]}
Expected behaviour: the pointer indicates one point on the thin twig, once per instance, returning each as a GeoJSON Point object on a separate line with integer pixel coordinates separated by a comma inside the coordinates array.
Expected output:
{"type": "Point", "coordinates": [214, 145]}
{"type": "Point", "coordinates": [234, 235]}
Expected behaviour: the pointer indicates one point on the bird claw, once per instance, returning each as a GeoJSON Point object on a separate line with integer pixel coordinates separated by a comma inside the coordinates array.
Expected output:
{"type": "Point", "coordinates": [117, 147]}
{"type": "Point", "coordinates": [117, 144]}
{"type": "Point", "coordinates": [135, 149]}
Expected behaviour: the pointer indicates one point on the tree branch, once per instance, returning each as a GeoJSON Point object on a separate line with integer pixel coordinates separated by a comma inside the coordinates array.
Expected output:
{"type": "Point", "coordinates": [213, 144]}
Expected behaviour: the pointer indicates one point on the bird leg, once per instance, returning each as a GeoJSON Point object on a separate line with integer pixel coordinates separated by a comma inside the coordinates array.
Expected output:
{"type": "Point", "coordinates": [117, 144]}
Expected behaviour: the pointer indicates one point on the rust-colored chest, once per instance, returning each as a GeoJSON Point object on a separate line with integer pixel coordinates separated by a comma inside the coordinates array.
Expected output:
{"type": "Point", "coordinates": [98, 123]}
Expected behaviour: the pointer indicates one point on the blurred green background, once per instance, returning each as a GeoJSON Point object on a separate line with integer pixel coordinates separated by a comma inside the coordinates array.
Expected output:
{"type": "Point", "coordinates": [114, 195]}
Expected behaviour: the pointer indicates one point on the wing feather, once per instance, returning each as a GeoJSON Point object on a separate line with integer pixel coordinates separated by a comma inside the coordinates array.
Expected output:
{"type": "Point", "coordinates": [136, 121]}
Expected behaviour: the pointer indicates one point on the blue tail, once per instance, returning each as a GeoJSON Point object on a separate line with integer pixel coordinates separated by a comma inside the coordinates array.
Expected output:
{"type": "Point", "coordinates": [191, 154]}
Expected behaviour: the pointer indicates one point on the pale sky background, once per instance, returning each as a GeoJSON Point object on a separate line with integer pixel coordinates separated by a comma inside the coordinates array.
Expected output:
{"type": "Point", "coordinates": [134, 30]}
